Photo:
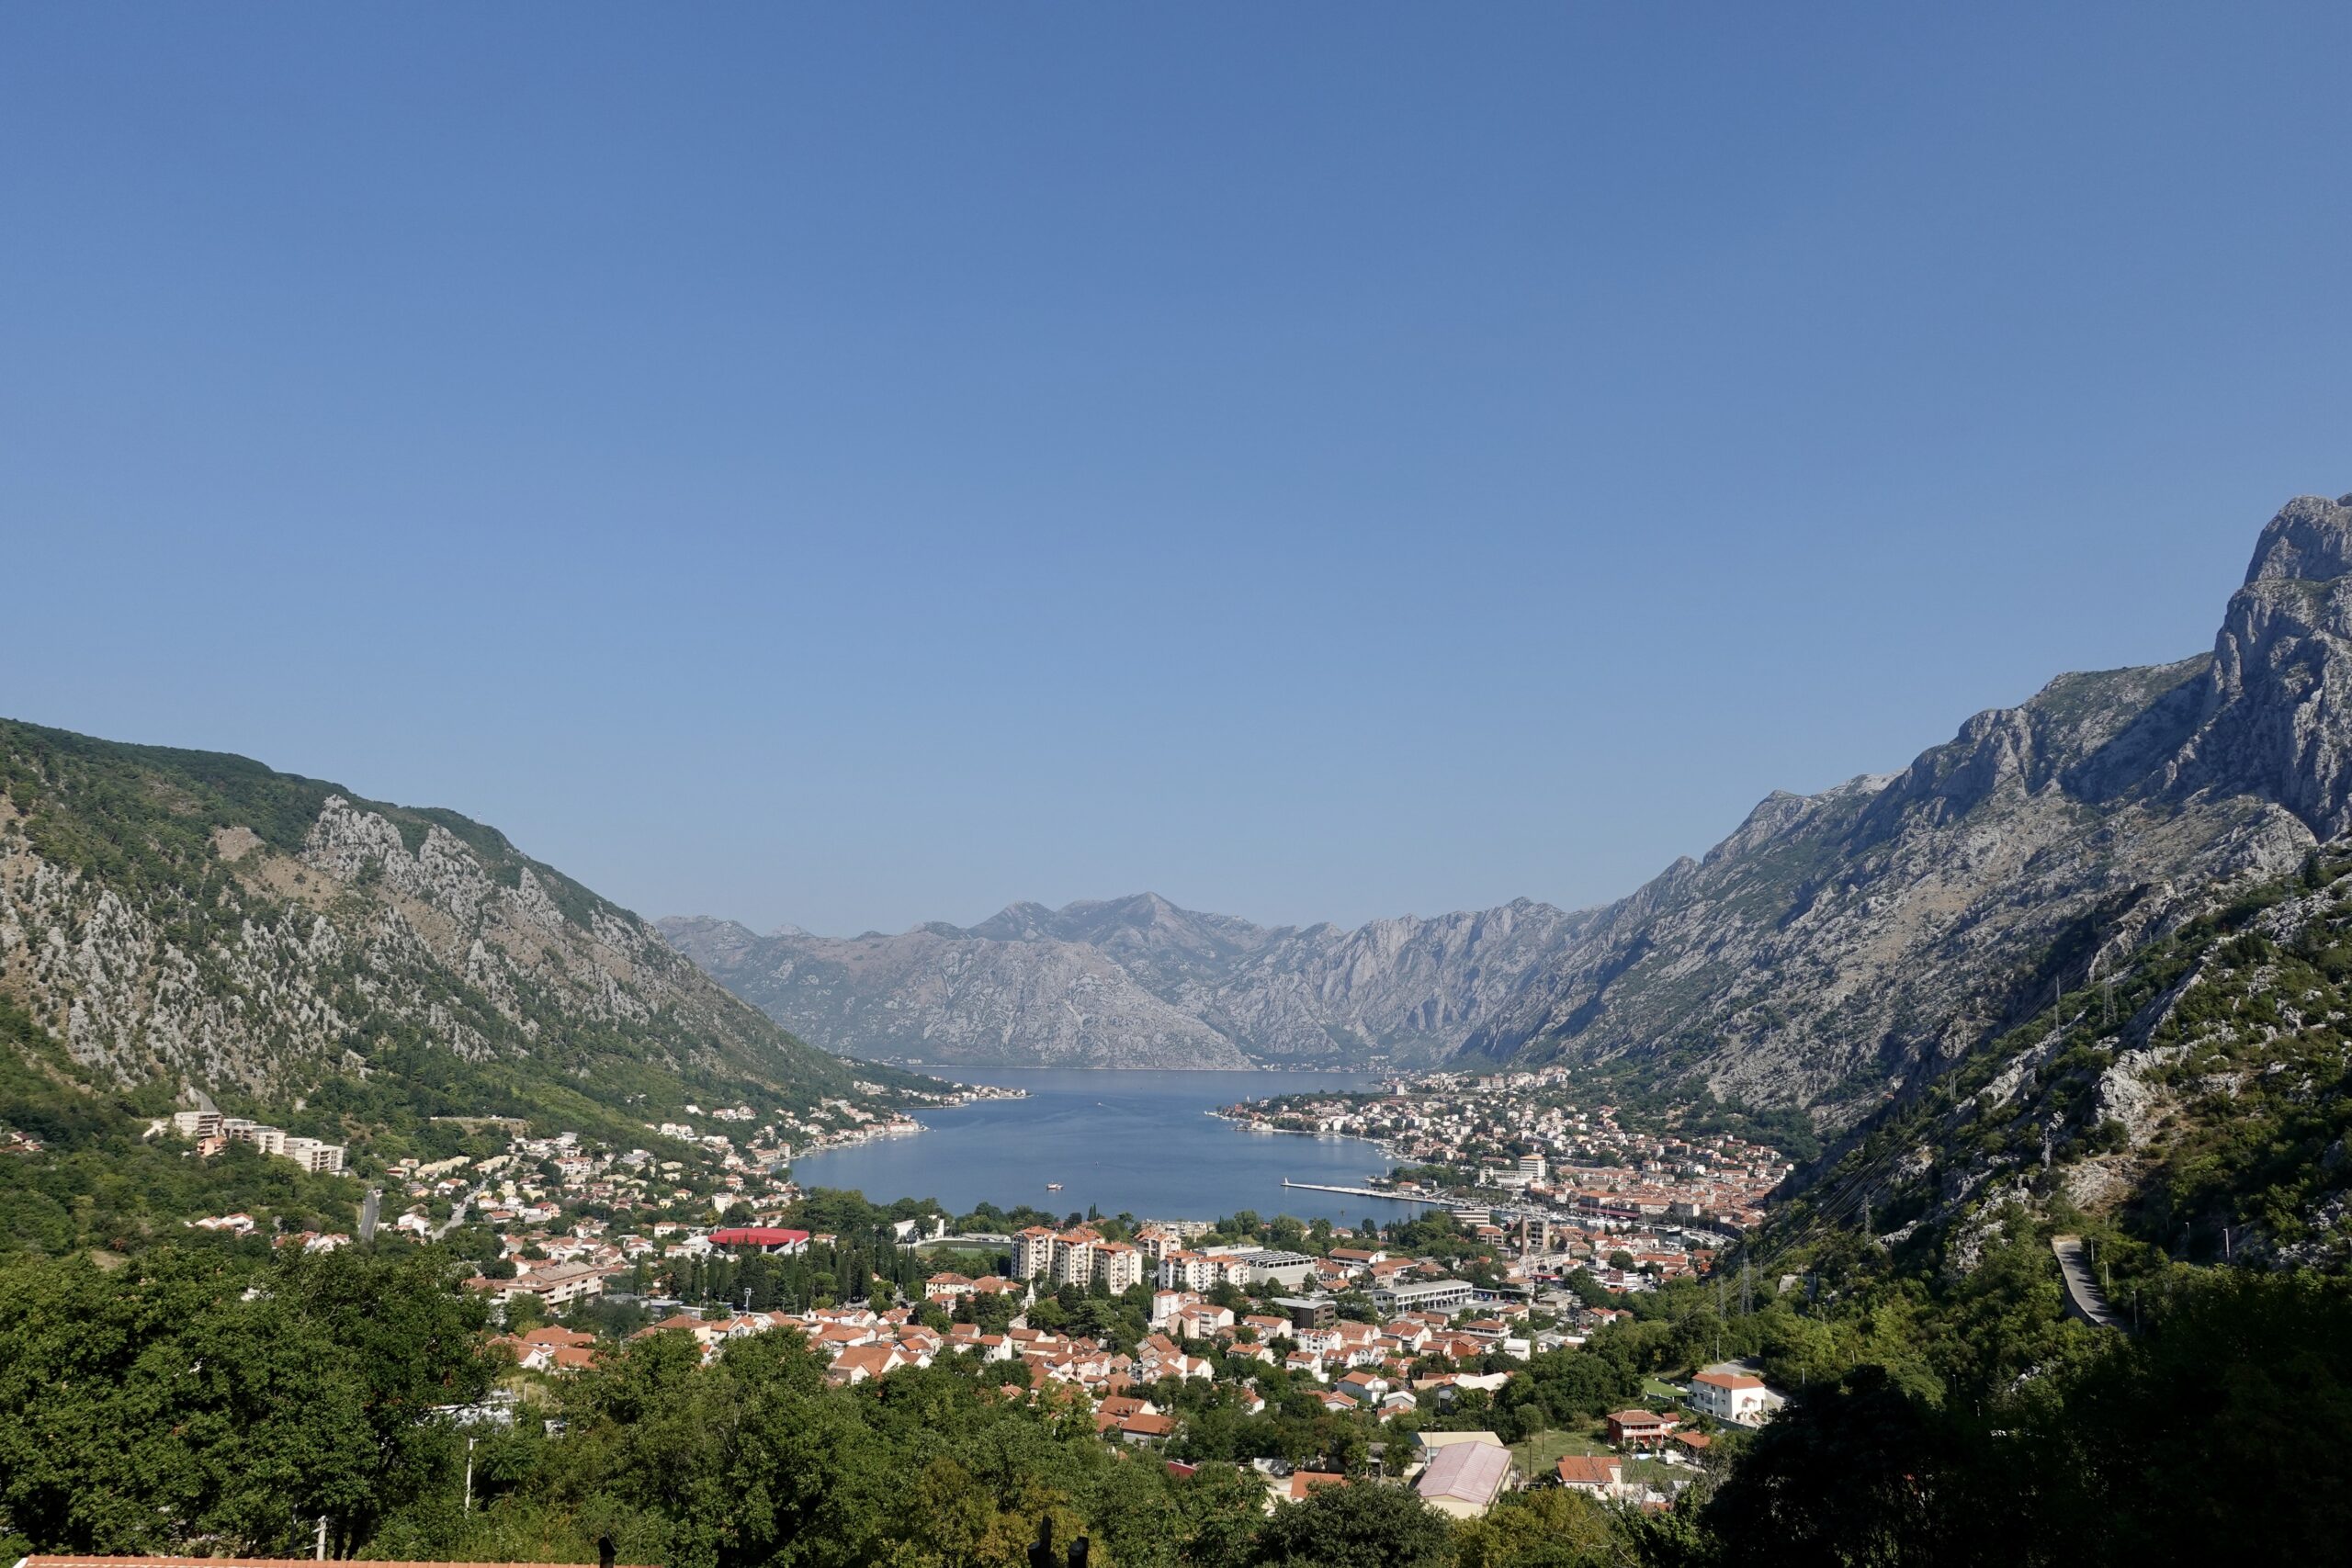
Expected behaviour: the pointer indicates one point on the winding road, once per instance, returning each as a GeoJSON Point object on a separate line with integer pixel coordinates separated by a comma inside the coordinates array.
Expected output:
{"type": "Point", "coordinates": [2085, 1300]}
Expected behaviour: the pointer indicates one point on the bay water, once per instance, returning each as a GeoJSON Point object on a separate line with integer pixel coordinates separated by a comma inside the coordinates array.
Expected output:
{"type": "Point", "coordinates": [1137, 1143]}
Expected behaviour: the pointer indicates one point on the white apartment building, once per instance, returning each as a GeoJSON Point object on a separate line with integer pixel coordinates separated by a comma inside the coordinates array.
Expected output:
{"type": "Point", "coordinates": [314, 1155]}
{"type": "Point", "coordinates": [1189, 1271]}
{"type": "Point", "coordinates": [1073, 1259]}
{"type": "Point", "coordinates": [1033, 1253]}
{"type": "Point", "coordinates": [1118, 1266]}
{"type": "Point", "coordinates": [1076, 1258]}
{"type": "Point", "coordinates": [311, 1154]}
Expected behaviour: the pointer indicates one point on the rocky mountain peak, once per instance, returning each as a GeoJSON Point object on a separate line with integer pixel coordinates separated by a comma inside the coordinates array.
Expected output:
{"type": "Point", "coordinates": [2274, 721]}
{"type": "Point", "coordinates": [2310, 539]}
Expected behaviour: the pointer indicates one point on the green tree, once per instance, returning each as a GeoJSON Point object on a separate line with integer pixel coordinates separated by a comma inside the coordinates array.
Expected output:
{"type": "Point", "coordinates": [1357, 1525]}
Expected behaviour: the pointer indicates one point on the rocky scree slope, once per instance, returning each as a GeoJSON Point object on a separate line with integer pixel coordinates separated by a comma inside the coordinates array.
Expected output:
{"type": "Point", "coordinates": [1138, 982]}
{"type": "Point", "coordinates": [1840, 944]}
{"type": "Point", "coordinates": [199, 921]}
{"type": "Point", "coordinates": [2194, 1094]}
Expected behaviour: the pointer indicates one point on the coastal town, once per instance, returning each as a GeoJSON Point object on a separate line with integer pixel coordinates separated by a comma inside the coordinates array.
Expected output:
{"type": "Point", "coordinates": [1428, 1352]}
{"type": "Point", "coordinates": [1571, 1183]}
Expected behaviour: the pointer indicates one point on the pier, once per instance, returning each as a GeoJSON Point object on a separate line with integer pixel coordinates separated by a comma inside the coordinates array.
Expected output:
{"type": "Point", "coordinates": [1364, 1193]}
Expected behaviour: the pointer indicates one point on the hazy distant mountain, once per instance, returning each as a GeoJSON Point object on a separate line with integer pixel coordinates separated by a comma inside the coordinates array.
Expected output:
{"type": "Point", "coordinates": [1138, 982]}
{"type": "Point", "coordinates": [1831, 948]}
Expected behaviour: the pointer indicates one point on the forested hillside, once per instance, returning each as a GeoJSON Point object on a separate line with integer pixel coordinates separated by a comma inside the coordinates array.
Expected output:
{"type": "Point", "coordinates": [175, 923]}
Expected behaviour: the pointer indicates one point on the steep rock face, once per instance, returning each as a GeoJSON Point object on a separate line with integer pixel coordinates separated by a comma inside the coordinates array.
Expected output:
{"type": "Point", "coordinates": [2194, 1096]}
{"type": "Point", "coordinates": [1139, 982]}
{"type": "Point", "coordinates": [1407, 989]}
{"type": "Point", "coordinates": [1835, 945]}
{"type": "Point", "coordinates": [204, 920]}
{"type": "Point", "coordinates": [2276, 706]}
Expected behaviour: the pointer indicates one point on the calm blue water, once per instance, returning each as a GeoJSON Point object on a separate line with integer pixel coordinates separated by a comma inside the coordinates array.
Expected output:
{"type": "Point", "coordinates": [1126, 1142]}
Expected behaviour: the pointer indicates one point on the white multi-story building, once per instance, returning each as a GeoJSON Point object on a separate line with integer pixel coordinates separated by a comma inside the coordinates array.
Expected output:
{"type": "Point", "coordinates": [1033, 1253]}
{"type": "Point", "coordinates": [312, 1155]}
{"type": "Point", "coordinates": [309, 1153]}
{"type": "Point", "coordinates": [1118, 1266]}
{"type": "Point", "coordinates": [1076, 1258]}
{"type": "Point", "coordinates": [1734, 1397]}
{"type": "Point", "coordinates": [1425, 1295]}
{"type": "Point", "coordinates": [1189, 1271]}
{"type": "Point", "coordinates": [1073, 1259]}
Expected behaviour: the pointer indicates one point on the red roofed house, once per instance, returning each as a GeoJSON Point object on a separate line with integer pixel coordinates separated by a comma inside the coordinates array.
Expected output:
{"type": "Point", "coordinates": [761, 1238]}
{"type": "Point", "coordinates": [1147, 1428]}
{"type": "Point", "coordinates": [860, 1363]}
{"type": "Point", "coordinates": [1598, 1475]}
{"type": "Point", "coordinates": [1640, 1429]}
{"type": "Point", "coordinates": [1293, 1487]}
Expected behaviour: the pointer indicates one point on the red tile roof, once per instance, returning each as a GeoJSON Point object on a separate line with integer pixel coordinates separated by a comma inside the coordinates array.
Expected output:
{"type": "Point", "coordinates": [757, 1236]}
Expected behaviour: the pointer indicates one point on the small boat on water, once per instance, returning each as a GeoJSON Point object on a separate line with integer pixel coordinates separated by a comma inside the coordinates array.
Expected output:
{"type": "Point", "coordinates": [1053, 1185]}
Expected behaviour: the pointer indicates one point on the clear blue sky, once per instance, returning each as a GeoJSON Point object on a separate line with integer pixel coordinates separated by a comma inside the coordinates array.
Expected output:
{"type": "Point", "coordinates": [856, 465]}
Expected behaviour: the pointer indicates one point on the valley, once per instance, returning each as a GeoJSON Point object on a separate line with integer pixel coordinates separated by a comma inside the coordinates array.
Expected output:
{"type": "Point", "coordinates": [1640, 1202]}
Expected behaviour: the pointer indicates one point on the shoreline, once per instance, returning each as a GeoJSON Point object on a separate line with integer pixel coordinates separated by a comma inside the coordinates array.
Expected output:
{"type": "Point", "coordinates": [1332, 1173]}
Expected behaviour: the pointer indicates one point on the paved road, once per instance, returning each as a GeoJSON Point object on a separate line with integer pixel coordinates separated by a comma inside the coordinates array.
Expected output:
{"type": "Point", "coordinates": [2084, 1298]}
{"type": "Point", "coordinates": [457, 1215]}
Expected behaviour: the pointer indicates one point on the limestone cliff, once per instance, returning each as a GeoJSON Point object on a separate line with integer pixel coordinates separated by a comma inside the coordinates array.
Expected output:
{"type": "Point", "coordinates": [1837, 945]}
{"type": "Point", "coordinates": [201, 921]}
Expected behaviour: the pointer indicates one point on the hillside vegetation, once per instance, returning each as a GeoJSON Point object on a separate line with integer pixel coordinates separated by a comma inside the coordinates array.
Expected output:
{"type": "Point", "coordinates": [175, 923]}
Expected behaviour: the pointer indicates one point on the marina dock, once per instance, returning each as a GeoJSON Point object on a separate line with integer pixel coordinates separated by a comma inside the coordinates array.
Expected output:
{"type": "Point", "coordinates": [1364, 1193]}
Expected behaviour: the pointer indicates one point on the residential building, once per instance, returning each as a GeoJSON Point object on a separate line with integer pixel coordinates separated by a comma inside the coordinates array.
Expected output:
{"type": "Point", "coordinates": [1597, 1475]}
{"type": "Point", "coordinates": [1464, 1479]}
{"type": "Point", "coordinates": [1033, 1253]}
{"type": "Point", "coordinates": [1425, 1295]}
{"type": "Point", "coordinates": [761, 1238]}
{"type": "Point", "coordinates": [1640, 1429]}
{"type": "Point", "coordinates": [1735, 1397]}
{"type": "Point", "coordinates": [1309, 1312]}
{"type": "Point", "coordinates": [1118, 1266]}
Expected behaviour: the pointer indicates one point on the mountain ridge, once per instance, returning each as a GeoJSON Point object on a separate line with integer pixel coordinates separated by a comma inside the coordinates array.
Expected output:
{"type": "Point", "coordinates": [1137, 981]}
{"type": "Point", "coordinates": [1827, 950]}
{"type": "Point", "coordinates": [179, 921]}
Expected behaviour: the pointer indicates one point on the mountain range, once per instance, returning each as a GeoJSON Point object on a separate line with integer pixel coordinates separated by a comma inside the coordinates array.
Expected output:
{"type": "Point", "coordinates": [175, 923]}
{"type": "Point", "coordinates": [1139, 983]}
{"type": "Point", "coordinates": [1835, 948]}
